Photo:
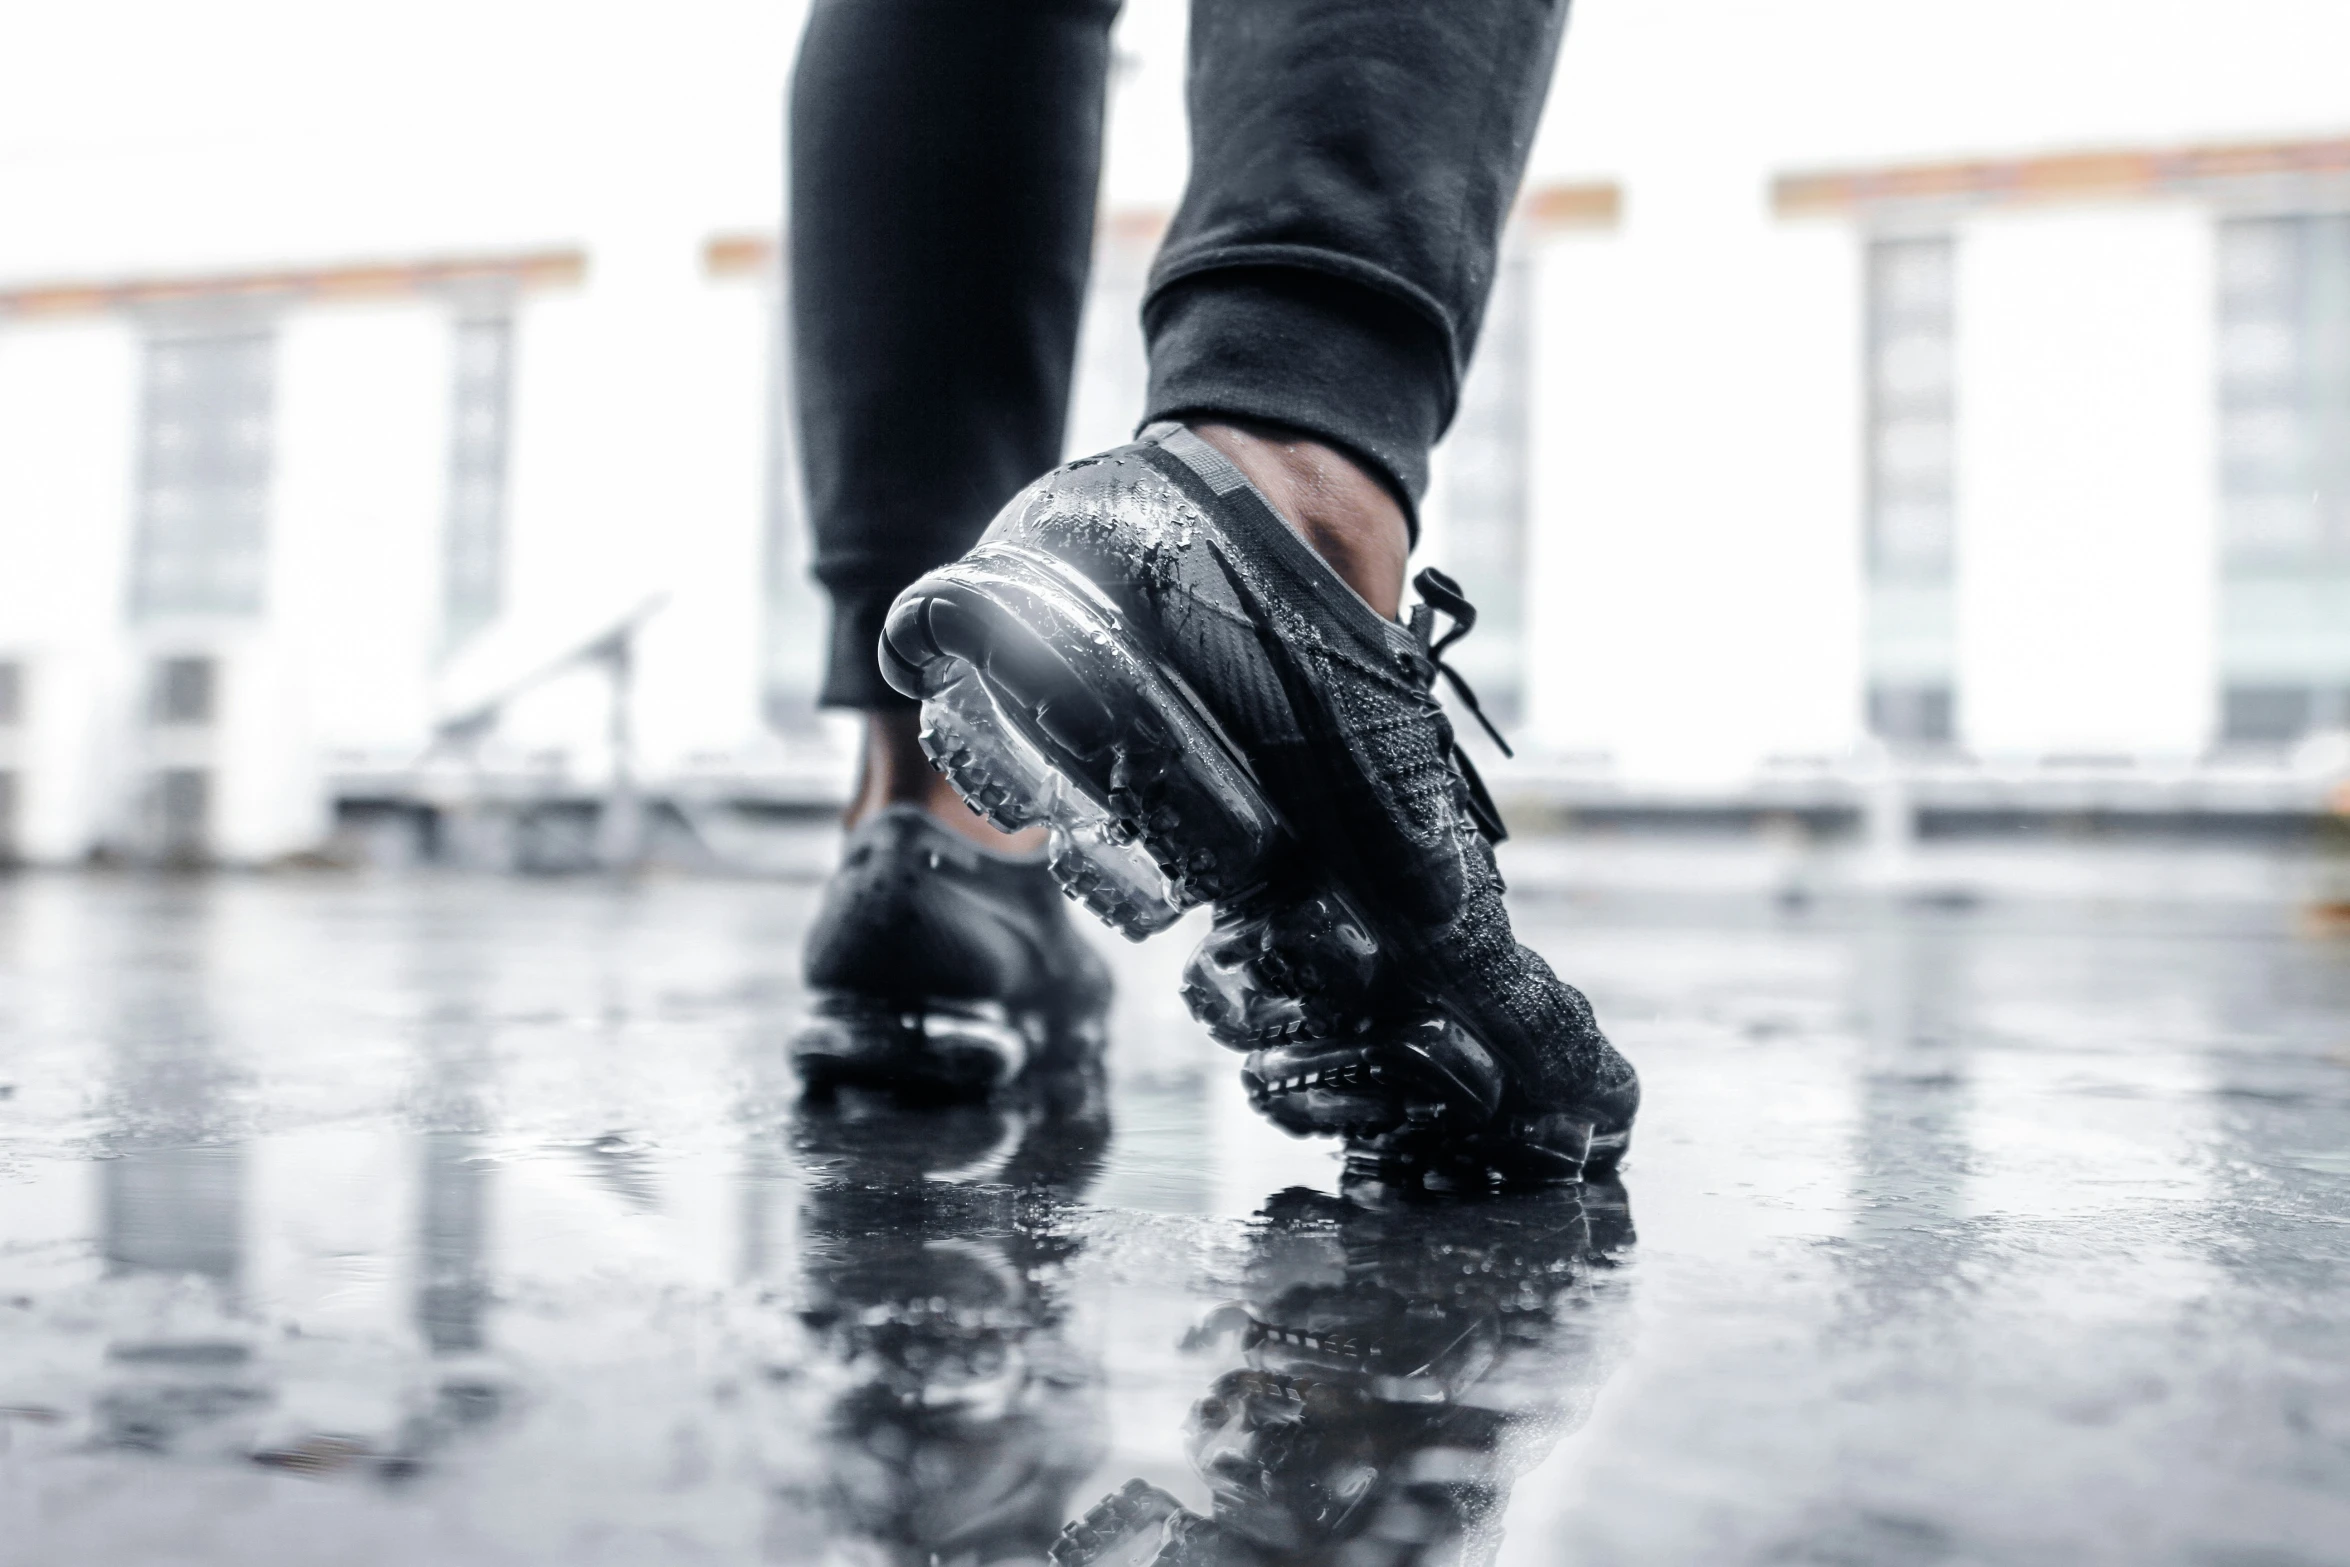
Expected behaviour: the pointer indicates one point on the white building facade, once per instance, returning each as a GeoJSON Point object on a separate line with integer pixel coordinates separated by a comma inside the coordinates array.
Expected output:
{"type": "Point", "coordinates": [1969, 385]}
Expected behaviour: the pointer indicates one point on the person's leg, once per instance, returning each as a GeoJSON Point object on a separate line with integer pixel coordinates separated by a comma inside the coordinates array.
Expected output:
{"type": "Point", "coordinates": [944, 158]}
{"type": "Point", "coordinates": [1323, 283]}
{"type": "Point", "coordinates": [944, 155]}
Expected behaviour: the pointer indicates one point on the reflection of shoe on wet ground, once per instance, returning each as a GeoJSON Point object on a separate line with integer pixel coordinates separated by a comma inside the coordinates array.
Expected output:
{"type": "Point", "coordinates": [1404, 1360]}
{"type": "Point", "coordinates": [1141, 656]}
{"type": "Point", "coordinates": [942, 970]}
{"type": "Point", "coordinates": [1045, 1135]}
{"type": "Point", "coordinates": [960, 1419]}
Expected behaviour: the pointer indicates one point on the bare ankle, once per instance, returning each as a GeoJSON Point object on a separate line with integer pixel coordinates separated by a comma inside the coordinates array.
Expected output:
{"type": "Point", "coordinates": [1351, 519]}
{"type": "Point", "coordinates": [894, 771]}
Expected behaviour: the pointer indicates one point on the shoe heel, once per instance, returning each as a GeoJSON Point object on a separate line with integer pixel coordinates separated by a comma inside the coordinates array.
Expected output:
{"type": "Point", "coordinates": [1005, 779]}
{"type": "Point", "coordinates": [967, 741]}
{"type": "Point", "coordinates": [1043, 706]}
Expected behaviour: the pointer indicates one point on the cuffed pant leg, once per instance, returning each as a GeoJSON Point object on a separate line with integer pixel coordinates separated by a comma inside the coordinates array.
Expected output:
{"type": "Point", "coordinates": [1353, 162]}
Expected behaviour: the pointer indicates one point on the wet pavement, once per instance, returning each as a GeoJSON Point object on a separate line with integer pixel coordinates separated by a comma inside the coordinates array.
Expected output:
{"type": "Point", "coordinates": [462, 1221]}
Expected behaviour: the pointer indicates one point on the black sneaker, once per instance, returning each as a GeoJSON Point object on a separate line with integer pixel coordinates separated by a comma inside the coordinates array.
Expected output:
{"type": "Point", "coordinates": [942, 970]}
{"type": "Point", "coordinates": [1142, 655]}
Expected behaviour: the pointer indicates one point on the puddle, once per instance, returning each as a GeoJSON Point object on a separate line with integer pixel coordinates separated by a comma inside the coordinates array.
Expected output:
{"type": "Point", "coordinates": [415, 1221]}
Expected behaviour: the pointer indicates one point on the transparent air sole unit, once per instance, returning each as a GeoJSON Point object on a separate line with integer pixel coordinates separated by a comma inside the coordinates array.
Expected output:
{"type": "Point", "coordinates": [1098, 859]}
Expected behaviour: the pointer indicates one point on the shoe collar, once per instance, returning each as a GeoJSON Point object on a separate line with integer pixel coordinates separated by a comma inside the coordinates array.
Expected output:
{"type": "Point", "coordinates": [1413, 644]}
{"type": "Point", "coordinates": [1222, 475]}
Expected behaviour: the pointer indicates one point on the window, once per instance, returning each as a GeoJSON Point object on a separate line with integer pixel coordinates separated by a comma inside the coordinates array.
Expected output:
{"type": "Point", "coordinates": [2252, 715]}
{"type": "Point", "coordinates": [204, 467]}
{"type": "Point", "coordinates": [11, 715]}
{"type": "Point", "coordinates": [1910, 409]}
{"type": "Point", "coordinates": [2284, 354]}
{"type": "Point", "coordinates": [1910, 533]}
{"type": "Point", "coordinates": [2284, 476]}
{"type": "Point", "coordinates": [1913, 715]}
{"type": "Point", "coordinates": [473, 566]}
{"type": "Point", "coordinates": [181, 807]}
{"type": "Point", "coordinates": [180, 692]}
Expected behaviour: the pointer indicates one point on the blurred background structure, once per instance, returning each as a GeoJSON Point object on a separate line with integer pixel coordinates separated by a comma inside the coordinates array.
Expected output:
{"type": "Point", "coordinates": [1896, 416]}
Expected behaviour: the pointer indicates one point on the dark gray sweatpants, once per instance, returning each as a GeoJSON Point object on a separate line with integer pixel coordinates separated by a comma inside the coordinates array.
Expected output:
{"type": "Point", "coordinates": [1352, 164]}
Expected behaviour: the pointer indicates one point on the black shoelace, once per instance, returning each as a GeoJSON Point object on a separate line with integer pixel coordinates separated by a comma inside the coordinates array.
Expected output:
{"type": "Point", "coordinates": [1440, 594]}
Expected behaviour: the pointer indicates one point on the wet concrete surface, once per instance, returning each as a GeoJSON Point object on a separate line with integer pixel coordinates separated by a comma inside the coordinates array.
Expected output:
{"type": "Point", "coordinates": [474, 1221]}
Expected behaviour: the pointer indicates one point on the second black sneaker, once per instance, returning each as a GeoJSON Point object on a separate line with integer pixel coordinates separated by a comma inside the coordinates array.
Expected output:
{"type": "Point", "coordinates": [942, 970]}
{"type": "Point", "coordinates": [1144, 657]}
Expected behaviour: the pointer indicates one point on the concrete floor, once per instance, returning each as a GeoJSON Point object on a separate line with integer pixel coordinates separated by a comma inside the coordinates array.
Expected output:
{"type": "Point", "coordinates": [417, 1220]}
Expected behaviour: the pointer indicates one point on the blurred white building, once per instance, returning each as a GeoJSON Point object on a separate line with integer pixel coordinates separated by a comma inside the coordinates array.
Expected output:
{"type": "Point", "coordinates": [1968, 384]}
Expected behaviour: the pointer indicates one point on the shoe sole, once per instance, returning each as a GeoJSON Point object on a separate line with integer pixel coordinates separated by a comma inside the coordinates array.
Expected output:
{"type": "Point", "coordinates": [932, 1051]}
{"type": "Point", "coordinates": [1537, 1151]}
{"type": "Point", "coordinates": [1430, 1080]}
{"type": "Point", "coordinates": [1284, 972]}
